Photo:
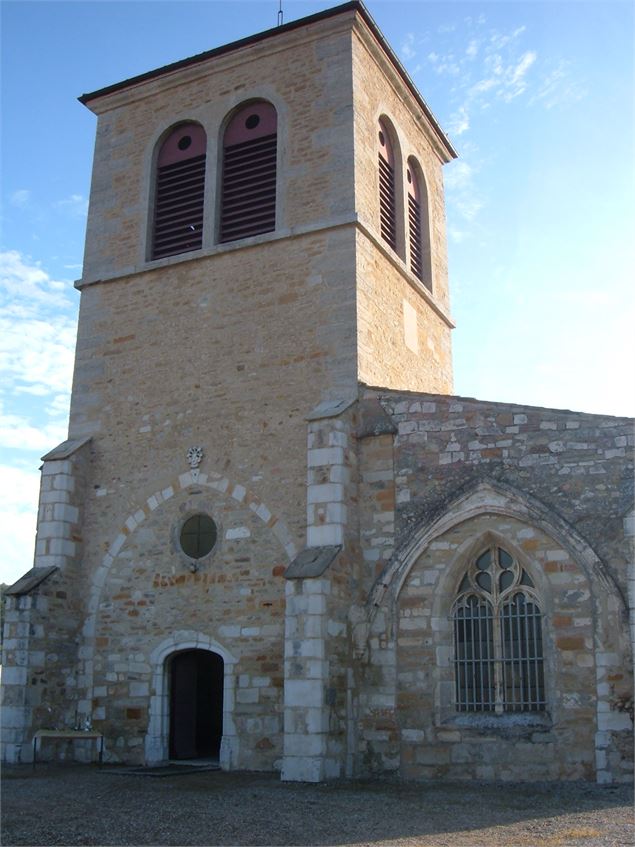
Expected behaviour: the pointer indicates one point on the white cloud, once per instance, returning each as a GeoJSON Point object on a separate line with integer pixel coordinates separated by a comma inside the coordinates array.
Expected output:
{"type": "Point", "coordinates": [458, 175]}
{"type": "Point", "coordinates": [37, 329]}
{"type": "Point", "coordinates": [20, 198]}
{"type": "Point", "coordinates": [76, 205]}
{"type": "Point", "coordinates": [27, 287]}
{"type": "Point", "coordinates": [36, 356]}
{"type": "Point", "coordinates": [556, 88]}
{"type": "Point", "coordinates": [459, 122]}
{"type": "Point", "coordinates": [18, 433]}
{"type": "Point", "coordinates": [472, 49]}
{"type": "Point", "coordinates": [18, 512]}
{"type": "Point", "coordinates": [462, 194]}
{"type": "Point", "coordinates": [37, 340]}
{"type": "Point", "coordinates": [407, 48]}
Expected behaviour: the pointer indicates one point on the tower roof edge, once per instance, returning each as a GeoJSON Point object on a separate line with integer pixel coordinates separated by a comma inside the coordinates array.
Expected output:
{"type": "Point", "coordinates": [355, 6]}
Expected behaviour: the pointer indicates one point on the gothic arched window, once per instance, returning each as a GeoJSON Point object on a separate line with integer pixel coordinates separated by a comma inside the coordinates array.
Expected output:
{"type": "Point", "coordinates": [248, 195]}
{"type": "Point", "coordinates": [179, 192]}
{"type": "Point", "coordinates": [498, 655]}
{"type": "Point", "coordinates": [418, 226]}
{"type": "Point", "coordinates": [387, 196]}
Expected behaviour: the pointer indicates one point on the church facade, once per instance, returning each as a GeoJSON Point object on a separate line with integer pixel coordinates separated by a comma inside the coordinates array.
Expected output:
{"type": "Point", "coordinates": [274, 536]}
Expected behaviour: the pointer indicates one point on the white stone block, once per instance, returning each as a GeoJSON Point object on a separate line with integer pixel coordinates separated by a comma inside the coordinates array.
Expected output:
{"type": "Point", "coordinates": [117, 544]}
{"type": "Point", "coordinates": [613, 721]}
{"type": "Point", "coordinates": [61, 547]}
{"type": "Point", "coordinates": [57, 466]}
{"type": "Point", "coordinates": [306, 648]}
{"type": "Point", "coordinates": [14, 675]}
{"type": "Point", "coordinates": [337, 438]}
{"type": "Point", "coordinates": [321, 456]}
{"type": "Point", "coordinates": [303, 692]}
{"type": "Point", "coordinates": [51, 529]}
{"type": "Point", "coordinates": [302, 769]}
{"type": "Point", "coordinates": [328, 492]}
{"type": "Point", "coordinates": [14, 717]}
{"type": "Point", "coordinates": [186, 479]}
{"type": "Point", "coordinates": [313, 744]}
{"type": "Point", "coordinates": [66, 513]}
{"type": "Point", "coordinates": [340, 473]}
{"type": "Point", "coordinates": [336, 513]}
{"type": "Point", "coordinates": [229, 631]}
{"type": "Point", "coordinates": [607, 659]}
{"type": "Point", "coordinates": [63, 483]}
{"type": "Point", "coordinates": [412, 735]}
{"type": "Point", "coordinates": [237, 532]}
{"type": "Point", "coordinates": [326, 534]}
{"type": "Point", "coordinates": [139, 689]}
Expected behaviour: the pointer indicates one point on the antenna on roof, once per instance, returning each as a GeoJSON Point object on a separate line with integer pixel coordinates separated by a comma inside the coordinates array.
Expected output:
{"type": "Point", "coordinates": [280, 14]}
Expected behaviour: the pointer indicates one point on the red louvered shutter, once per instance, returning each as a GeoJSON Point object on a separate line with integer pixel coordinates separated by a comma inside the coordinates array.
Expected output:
{"type": "Point", "coordinates": [180, 192]}
{"type": "Point", "coordinates": [414, 224]}
{"type": "Point", "coordinates": [387, 211]}
{"type": "Point", "coordinates": [248, 197]}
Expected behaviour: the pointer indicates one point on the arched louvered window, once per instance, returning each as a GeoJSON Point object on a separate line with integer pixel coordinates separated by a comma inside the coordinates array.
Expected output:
{"type": "Point", "coordinates": [387, 199]}
{"type": "Point", "coordinates": [179, 192]}
{"type": "Point", "coordinates": [498, 654]}
{"type": "Point", "coordinates": [418, 236]}
{"type": "Point", "coordinates": [248, 197]}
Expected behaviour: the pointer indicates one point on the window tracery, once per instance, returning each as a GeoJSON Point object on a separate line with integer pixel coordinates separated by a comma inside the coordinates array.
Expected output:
{"type": "Point", "coordinates": [498, 637]}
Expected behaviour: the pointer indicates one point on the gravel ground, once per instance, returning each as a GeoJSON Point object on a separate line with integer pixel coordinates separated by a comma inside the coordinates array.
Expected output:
{"type": "Point", "coordinates": [75, 804]}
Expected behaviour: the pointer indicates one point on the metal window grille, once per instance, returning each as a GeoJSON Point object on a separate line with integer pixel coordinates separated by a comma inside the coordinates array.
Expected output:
{"type": "Point", "coordinates": [523, 678]}
{"type": "Point", "coordinates": [248, 203]}
{"type": "Point", "coordinates": [414, 229]}
{"type": "Point", "coordinates": [387, 214]}
{"type": "Point", "coordinates": [474, 661]}
{"type": "Point", "coordinates": [499, 663]}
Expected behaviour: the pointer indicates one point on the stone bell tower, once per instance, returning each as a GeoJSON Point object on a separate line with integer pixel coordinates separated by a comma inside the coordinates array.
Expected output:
{"type": "Point", "coordinates": [266, 231]}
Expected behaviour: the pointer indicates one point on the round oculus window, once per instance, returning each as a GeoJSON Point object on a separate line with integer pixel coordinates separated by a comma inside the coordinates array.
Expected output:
{"type": "Point", "coordinates": [184, 142]}
{"type": "Point", "coordinates": [198, 536]}
{"type": "Point", "coordinates": [252, 121]}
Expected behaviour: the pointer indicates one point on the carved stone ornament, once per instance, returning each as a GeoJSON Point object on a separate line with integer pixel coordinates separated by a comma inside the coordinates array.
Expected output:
{"type": "Point", "coordinates": [194, 456]}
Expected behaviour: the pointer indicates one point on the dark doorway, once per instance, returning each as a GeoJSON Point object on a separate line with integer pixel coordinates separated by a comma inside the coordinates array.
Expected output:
{"type": "Point", "coordinates": [196, 704]}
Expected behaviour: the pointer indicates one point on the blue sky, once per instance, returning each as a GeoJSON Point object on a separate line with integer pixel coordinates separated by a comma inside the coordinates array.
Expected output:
{"type": "Point", "coordinates": [537, 97]}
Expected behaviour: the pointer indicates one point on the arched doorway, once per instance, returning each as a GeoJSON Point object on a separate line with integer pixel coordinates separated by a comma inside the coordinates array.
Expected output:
{"type": "Point", "coordinates": [196, 704]}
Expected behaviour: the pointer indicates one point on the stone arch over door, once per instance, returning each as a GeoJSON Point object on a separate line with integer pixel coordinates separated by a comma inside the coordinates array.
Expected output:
{"type": "Point", "coordinates": [212, 481]}
{"type": "Point", "coordinates": [158, 736]}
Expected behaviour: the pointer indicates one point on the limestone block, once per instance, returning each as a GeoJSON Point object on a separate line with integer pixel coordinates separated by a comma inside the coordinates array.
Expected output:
{"type": "Point", "coordinates": [302, 769]}
{"type": "Point", "coordinates": [303, 692]}
{"type": "Point", "coordinates": [304, 744]}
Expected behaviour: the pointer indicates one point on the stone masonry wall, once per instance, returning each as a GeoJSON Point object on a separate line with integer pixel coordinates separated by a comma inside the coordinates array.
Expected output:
{"type": "Point", "coordinates": [390, 298]}
{"type": "Point", "coordinates": [306, 74]}
{"type": "Point", "coordinates": [555, 487]}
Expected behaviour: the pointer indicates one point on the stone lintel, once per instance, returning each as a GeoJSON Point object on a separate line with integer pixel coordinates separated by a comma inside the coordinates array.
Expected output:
{"type": "Point", "coordinates": [312, 562]}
